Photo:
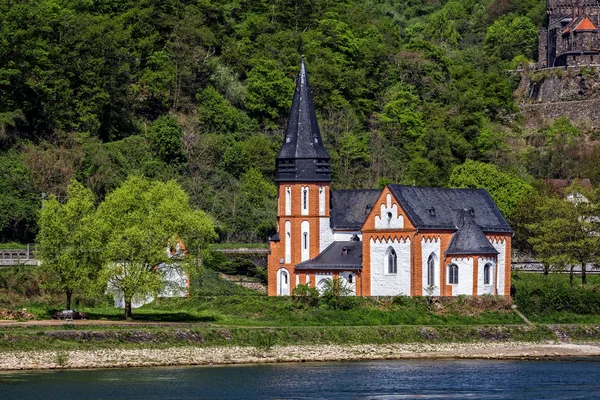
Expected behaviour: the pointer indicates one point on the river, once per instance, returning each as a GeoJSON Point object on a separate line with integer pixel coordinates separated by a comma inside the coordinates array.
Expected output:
{"type": "Point", "coordinates": [435, 379]}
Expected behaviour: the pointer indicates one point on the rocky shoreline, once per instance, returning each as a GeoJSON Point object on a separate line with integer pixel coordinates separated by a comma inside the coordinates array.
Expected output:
{"type": "Point", "coordinates": [192, 355]}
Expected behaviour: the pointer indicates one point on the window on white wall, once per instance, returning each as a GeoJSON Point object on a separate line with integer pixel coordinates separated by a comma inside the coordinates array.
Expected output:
{"type": "Point", "coordinates": [453, 274]}
{"type": "Point", "coordinates": [288, 242]}
{"type": "Point", "coordinates": [305, 201]}
{"type": "Point", "coordinates": [392, 261]}
{"type": "Point", "coordinates": [305, 245]}
{"type": "Point", "coordinates": [487, 274]}
{"type": "Point", "coordinates": [288, 200]}
{"type": "Point", "coordinates": [321, 200]}
{"type": "Point", "coordinates": [431, 270]}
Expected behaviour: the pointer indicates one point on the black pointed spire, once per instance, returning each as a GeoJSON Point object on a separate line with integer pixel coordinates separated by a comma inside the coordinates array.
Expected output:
{"type": "Point", "coordinates": [303, 158]}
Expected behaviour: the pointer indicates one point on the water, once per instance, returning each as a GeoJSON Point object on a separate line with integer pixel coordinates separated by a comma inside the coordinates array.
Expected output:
{"type": "Point", "coordinates": [379, 380]}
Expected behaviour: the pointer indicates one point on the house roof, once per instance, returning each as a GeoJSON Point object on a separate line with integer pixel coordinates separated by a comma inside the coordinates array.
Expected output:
{"type": "Point", "coordinates": [586, 24]}
{"type": "Point", "coordinates": [469, 238]}
{"type": "Point", "coordinates": [303, 157]}
{"type": "Point", "coordinates": [337, 256]}
{"type": "Point", "coordinates": [433, 208]}
{"type": "Point", "coordinates": [350, 208]}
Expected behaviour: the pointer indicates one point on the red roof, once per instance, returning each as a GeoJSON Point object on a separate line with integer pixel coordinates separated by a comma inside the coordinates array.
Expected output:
{"type": "Point", "coordinates": [586, 24]}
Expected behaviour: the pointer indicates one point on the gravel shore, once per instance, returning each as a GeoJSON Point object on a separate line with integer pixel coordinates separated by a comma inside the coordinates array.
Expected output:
{"type": "Point", "coordinates": [27, 360]}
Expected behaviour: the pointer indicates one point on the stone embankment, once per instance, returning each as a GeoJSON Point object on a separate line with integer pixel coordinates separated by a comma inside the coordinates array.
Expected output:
{"type": "Point", "coordinates": [118, 358]}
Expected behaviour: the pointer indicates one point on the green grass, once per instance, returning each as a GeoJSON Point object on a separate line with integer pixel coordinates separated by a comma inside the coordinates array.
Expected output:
{"type": "Point", "coordinates": [12, 246]}
{"type": "Point", "coordinates": [122, 337]}
{"type": "Point", "coordinates": [552, 300]}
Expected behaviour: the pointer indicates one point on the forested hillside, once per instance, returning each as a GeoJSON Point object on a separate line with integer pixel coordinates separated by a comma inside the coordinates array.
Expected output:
{"type": "Point", "coordinates": [199, 91]}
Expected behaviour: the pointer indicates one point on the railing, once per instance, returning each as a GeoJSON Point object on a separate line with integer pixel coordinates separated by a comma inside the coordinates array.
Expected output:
{"type": "Point", "coordinates": [18, 256]}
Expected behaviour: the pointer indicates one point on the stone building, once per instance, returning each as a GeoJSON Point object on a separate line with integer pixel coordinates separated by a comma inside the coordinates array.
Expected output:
{"type": "Point", "coordinates": [571, 37]}
{"type": "Point", "coordinates": [402, 240]}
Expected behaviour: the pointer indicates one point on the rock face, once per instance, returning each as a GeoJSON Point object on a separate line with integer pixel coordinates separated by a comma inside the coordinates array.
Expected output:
{"type": "Point", "coordinates": [547, 94]}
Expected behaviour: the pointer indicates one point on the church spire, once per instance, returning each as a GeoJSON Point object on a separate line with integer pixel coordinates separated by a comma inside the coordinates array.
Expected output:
{"type": "Point", "coordinates": [303, 158]}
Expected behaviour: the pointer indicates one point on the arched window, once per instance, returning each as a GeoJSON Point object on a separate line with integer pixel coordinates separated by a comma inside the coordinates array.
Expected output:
{"type": "Point", "coordinates": [288, 200]}
{"type": "Point", "coordinates": [285, 278]}
{"type": "Point", "coordinates": [350, 278]}
{"type": "Point", "coordinates": [288, 242]}
{"type": "Point", "coordinates": [431, 270]}
{"type": "Point", "coordinates": [487, 274]}
{"type": "Point", "coordinates": [392, 261]}
{"type": "Point", "coordinates": [452, 274]}
{"type": "Point", "coordinates": [305, 240]}
{"type": "Point", "coordinates": [305, 200]}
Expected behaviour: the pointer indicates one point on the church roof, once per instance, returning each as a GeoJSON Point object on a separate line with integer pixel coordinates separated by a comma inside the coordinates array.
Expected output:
{"type": "Point", "coordinates": [469, 238]}
{"type": "Point", "coordinates": [337, 256]}
{"type": "Point", "coordinates": [433, 208]}
{"type": "Point", "coordinates": [350, 208]}
{"type": "Point", "coordinates": [303, 157]}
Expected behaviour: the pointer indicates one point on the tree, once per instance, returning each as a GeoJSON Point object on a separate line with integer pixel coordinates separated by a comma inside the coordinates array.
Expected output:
{"type": "Point", "coordinates": [137, 222]}
{"type": "Point", "coordinates": [510, 36]}
{"type": "Point", "coordinates": [507, 190]}
{"type": "Point", "coordinates": [567, 232]}
{"type": "Point", "coordinates": [68, 242]}
{"type": "Point", "coordinates": [166, 138]}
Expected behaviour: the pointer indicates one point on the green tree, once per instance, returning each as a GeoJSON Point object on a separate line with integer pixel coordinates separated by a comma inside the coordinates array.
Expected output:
{"type": "Point", "coordinates": [507, 190]}
{"type": "Point", "coordinates": [137, 222]}
{"type": "Point", "coordinates": [166, 138]}
{"type": "Point", "coordinates": [68, 242]}
{"type": "Point", "coordinates": [510, 36]}
{"type": "Point", "coordinates": [567, 232]}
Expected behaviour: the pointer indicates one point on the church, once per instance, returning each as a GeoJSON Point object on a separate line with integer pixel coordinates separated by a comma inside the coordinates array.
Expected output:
{"type": "Point", "coordinates": [401, 240]}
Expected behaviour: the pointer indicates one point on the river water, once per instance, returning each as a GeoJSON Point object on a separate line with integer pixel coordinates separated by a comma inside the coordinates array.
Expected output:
{"type": "Point", "coordinates": [569, 379]}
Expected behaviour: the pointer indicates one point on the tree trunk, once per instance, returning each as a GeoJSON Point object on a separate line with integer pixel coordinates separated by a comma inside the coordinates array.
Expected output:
{"type": "Point", "coordinates": [69, 293]}
{"type": "Point", "coordinates": [571, 275]}
{"type": "Point", "coordinates": [583, 274]}
{"type": "Point", "coordinates": [127, 309]}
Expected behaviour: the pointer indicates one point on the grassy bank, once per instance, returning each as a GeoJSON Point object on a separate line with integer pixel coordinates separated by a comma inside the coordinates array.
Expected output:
{"type": "Point", "coordinates": [551, 300]}
{"type": "Point", "coordinates": [73, 338]}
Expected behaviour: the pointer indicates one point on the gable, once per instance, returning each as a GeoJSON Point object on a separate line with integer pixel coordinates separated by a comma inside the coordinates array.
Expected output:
{"type": "Point", "coordinates": [387, 214]}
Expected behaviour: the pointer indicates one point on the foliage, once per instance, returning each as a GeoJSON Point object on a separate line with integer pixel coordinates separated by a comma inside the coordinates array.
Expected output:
{"type": "Point", "coordinates": [305, 294]}
{"type": "Point", "coordinates": [336, 294]}
{"type": "Point", "coordinates": [166, 140]}
{"type": "Point", "coordinates": [136, 222]}
{"type": "Point", "coordinates": [68, 242]}
{"type": "Point", "coordinates": [507, 190]}
{"type": "Point", "coordinates": [565, 234]}
{"type": "Point", "coordinates": [511, 35]}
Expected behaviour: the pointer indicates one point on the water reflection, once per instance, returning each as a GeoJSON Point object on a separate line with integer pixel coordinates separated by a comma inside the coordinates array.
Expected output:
{"type": "Point", "coordinates": [352, 380]}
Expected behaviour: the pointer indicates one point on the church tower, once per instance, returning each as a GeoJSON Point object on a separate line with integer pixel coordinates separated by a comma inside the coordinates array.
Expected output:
{"type": "Point", "coordinates": [303, 178]}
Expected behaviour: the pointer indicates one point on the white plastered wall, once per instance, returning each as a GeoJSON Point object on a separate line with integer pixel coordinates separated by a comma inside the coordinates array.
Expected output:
{"type": "Point", "coordinates": [345, 280]}
{"type": "Point", "coordinates": [288, 242]}
{"type": "Point", "coordinates": [328, 235]}
{"type": "Point", "coordinates": [288, 200]}
{"type": "Point", "coordinates": [481, 287]}
{"type": "Point", "coordinates": [465, 276]}
{"type": "Point", "coordinates": [319, 280]}
{"type": "Point", "coordinates": [500, 246]}
{"type": "Point", "coordinates": [428, 247]}
{"type": "Point", "coordinates": [388, 217]}
{"type": "Point", "coordinates": [382, 283]}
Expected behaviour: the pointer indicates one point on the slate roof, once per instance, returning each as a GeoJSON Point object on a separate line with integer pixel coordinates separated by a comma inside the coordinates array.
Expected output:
{"type": "Point", "coordinates": [469, 239]}
{"type": "Point", "coordinates": [350, 208]}
{"type": "Point", "coordinates": [303, 157]}
{"type": "Point", "coordinates": [432, 208]}
{"type": "Point", "coordinates": [337, 256]}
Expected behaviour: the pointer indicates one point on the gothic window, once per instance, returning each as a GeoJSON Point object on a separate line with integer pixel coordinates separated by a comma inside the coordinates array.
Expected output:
{"type": "Point", "coordinates": [392, 261]}
{"type": "Point", "coordinates": [487, 272]}
{"type": "Point", "coordinates": [452, 274]}
{"type": "Point", "coordinates": [431, 270]}
{"type": "Point", "coordinates": [304, 201]}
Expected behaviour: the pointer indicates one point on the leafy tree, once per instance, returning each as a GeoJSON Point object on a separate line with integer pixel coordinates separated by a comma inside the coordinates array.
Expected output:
{"type": "Point", "coordinates": [166, 138]}
{"type": "Point", "coordinates": [68, 242]}
{"type": "Point", "coordinates": [507, 190]}
{"type": "Point", "coordinates": [136, 223]}
{"type": "Point", "coordinates": [567, 232]}
{"type": "Point", "coordinates": [510, 36]}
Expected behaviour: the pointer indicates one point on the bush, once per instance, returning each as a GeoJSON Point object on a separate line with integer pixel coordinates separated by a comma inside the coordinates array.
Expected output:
{"type": "Point", "coordinates": [305, 295]}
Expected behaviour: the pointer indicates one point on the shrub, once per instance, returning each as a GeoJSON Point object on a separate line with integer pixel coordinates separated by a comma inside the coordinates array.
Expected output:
{"type": "Point", "coordinates": [305, 295]}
